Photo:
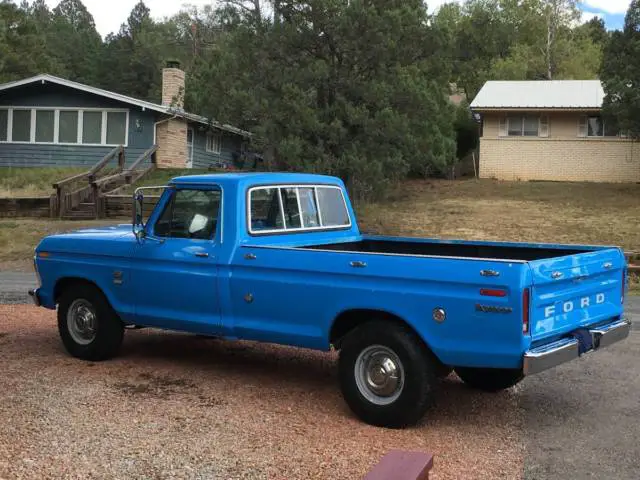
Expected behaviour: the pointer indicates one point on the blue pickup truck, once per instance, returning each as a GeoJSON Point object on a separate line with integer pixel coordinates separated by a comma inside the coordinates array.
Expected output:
{"type": "Point", "coordinates": [279, 258]}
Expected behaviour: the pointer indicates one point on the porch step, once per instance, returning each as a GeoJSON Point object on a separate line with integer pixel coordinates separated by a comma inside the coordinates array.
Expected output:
{"type": "Point", "coordinates": [84, 211]}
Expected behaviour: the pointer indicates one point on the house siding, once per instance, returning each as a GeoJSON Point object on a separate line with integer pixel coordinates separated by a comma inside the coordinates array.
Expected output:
{"type": "Point", "coordinates": [45, 155]}
{"type": "Point", "coordinates": [204, 159]}
{"type": "Point", "coordinates": [562, 156]}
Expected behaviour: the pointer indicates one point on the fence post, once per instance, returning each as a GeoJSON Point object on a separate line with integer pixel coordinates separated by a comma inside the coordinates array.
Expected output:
{"type": "Point", "coordinates": [121, 158]}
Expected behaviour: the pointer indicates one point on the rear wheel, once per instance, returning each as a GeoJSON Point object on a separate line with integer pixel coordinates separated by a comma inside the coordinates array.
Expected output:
{"type": "Point", "coordinates": [490, 379]}
{"type": "Point", "coordinates": [88, 326]}
{"type": "Point", "coordinates": [387, 375]}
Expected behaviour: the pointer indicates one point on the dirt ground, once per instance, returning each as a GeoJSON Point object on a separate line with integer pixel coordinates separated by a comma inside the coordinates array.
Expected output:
{"type": "Point", "coordinates": [180, 406]}
{"type": "Point", "coordinates": [548, 212]}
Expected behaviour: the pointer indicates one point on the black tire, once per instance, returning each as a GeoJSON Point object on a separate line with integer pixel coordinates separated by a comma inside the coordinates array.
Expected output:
{"type": "Point", "coordinates": [489, 379]}
{"type": "Point", "coordinates": [417, 363]}
{"type": "Point", "coordinates": [109, 330]}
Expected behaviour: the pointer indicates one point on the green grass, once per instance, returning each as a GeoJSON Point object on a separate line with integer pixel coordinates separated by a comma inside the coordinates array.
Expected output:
{"type": "Point", "coordinates": [33, 182]}
{"type": "Point", "coordinates": [162, 177]}
{"type": "Point", "coordinates": [37, 181]}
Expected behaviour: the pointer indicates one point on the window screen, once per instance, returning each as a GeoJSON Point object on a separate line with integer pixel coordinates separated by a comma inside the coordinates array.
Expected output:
{"type": "Point", "coordinates": [21, 126]}
{"type": "Point", "coordinates": [68, 128]}
{"type": "Point", "coordinates": [92, 127]}
{"type": "Point", "coordinates": [190, 214]}
{"type": "Point", "coordinates": [44, 126]}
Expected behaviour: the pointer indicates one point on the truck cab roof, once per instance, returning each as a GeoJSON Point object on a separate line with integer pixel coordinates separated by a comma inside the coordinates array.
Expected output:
{"type": "Point", "coordinates": [257, 178]}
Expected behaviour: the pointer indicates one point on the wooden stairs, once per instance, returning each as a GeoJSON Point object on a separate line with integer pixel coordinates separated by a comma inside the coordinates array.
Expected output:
{"type": "Point", "coordinates": [82, 197]}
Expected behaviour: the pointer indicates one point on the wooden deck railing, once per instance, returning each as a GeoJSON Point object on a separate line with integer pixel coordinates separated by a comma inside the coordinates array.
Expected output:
{"type": "Point", "coordinates": [73, 191]}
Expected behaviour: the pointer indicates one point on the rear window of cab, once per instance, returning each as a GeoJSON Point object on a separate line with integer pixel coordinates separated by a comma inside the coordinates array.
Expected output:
{"type": "Point", "coordinates": [296, 208]}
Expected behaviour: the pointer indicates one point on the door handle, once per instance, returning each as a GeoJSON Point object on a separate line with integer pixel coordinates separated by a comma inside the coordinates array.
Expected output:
{"type": "Point", "coordinates": [250, 256]}
{"type": "Point", "coordinates": [358, 264]}
{"type": "Point", "coordinates": [202, 254]}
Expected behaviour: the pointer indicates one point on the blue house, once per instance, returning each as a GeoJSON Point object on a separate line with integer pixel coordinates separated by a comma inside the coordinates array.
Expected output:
{"type": "Point", "coordinates": [50, 121]}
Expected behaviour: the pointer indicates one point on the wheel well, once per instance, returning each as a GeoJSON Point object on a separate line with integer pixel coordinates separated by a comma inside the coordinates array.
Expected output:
{"type": "Point", "coordinates": [65, 283]}
{"type": "Point", "coordinates": [350, 319]}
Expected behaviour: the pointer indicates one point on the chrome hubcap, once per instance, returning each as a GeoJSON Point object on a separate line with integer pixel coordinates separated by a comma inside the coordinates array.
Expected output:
{"type": "Point", "coordinates": [81, 322]}
{"type": "Point", "coordinates": [379, 374]}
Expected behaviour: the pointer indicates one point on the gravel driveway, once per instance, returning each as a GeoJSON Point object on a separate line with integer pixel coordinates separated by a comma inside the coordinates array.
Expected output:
{"type": "Point", "coordinates": [178, 406]}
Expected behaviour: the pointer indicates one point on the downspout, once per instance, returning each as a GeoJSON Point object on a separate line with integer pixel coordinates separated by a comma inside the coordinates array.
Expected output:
{"type": "Point", "coordinates": [155, 127]}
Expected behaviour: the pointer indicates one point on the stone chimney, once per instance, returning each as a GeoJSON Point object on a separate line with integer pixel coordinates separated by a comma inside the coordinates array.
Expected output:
{"type": "Point", "coordinates": [173, 85]}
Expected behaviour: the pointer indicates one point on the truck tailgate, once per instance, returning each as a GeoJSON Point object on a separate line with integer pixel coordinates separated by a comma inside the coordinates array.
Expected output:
{"type": "Point", "coordinates": [574, 291]}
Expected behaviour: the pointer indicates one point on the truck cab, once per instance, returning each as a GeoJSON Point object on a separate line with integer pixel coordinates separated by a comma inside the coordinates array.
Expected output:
{"type": "Point", "coordinates": [279, 258]}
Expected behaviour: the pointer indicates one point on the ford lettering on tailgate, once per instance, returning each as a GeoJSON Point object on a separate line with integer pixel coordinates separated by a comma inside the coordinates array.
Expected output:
{"type": "Point", "coordinates": [570, 305]}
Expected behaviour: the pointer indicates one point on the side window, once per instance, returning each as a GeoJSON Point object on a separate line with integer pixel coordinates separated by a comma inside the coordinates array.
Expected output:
{"type": "Point", "coordinates": [291, 210]}
{"type": "Point", "coordinates": [333, 208]}
{"type": "Point", "coordinates": [309, 208]}
{"type": "Point", "coordinates": [296, 208]}
{"type": "Point", "coordinates": [266, 213]}
{"type": "Point", "coordinates": [190, 214]}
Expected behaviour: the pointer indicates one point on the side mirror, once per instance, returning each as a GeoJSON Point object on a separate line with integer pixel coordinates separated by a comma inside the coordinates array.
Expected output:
{"type": "Point", "coordinates": [138, 224]}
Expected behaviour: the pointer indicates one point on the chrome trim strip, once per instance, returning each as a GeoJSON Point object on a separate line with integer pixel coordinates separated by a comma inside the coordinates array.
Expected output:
{"type": "Point", "coordinates": [351, 252]}
{"type": "Point", "coordinates": [302, 229]}
{"type": "Point", "coordinates": [547, 356]}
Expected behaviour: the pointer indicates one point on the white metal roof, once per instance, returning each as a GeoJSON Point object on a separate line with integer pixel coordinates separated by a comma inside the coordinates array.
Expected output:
{"type": "Point", "coordinates": [562, 94]}
{"type": "Point", "coordinates": [44, 78]}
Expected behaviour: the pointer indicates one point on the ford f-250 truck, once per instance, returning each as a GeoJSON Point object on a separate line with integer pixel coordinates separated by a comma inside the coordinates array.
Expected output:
{"type": "Point", "coordinates": [279, 258]}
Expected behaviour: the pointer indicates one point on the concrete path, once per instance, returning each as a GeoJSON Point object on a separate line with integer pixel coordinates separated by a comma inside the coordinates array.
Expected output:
{"type": "Point", "coordinates": [582, 419]}
{"type": "Point", "coordinates": [15, 285]}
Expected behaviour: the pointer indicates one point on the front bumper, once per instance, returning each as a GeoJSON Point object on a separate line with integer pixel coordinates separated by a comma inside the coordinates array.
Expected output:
{"type": "Point", "coordinates": [547, 356]}
{"type": "Point", "coordinates": [35, 297]}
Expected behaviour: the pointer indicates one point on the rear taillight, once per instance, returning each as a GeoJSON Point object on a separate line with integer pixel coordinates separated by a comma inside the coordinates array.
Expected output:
{"type": "Point", "coordinates": [525, 311]}
{"type": "Point", "coordinates": [493, 292]}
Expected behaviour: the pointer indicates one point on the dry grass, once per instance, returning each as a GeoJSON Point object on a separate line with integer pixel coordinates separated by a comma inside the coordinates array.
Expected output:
{"type": "Point", "coordinates": [18, 238]}
{"type": "Point", "coordinates": [178, 406]}
{"type": "Point", "coordinates": [32, 182]}
{"type": "Point", "coordinates": [581, 213]}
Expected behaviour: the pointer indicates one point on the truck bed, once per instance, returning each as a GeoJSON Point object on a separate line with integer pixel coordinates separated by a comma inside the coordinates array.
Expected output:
{"type": "Point", "coordinates": [450, 249]}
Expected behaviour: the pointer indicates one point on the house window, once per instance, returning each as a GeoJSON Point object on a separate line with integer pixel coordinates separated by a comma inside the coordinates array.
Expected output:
{"type": "Point", "coordinates": [4, 125]}
{"type": "Point", "coordinates": [92, 128]}
{"type": "Point", "coordinates": [116, 127]}
{"type": "Point", "coordinates": [68, 127]}
{"type": "Point", "coordinates": [65, 126]}
{"type": "Point", "coordinates": [21, 131]}
{"type": "Point", "coordinates": [596, 126]}
{"type": "Point", "coordinates": [44, 126]}
{"type": "Point", "coordinates": [214, 143]}
{"type": "Point", "coordinates": [523, 126]}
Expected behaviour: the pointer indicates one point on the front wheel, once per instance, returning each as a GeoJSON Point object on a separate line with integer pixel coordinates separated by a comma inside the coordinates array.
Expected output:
{"type": "Point", "coordinates": [490, 379]}
{"type": "Point", "coordinates": [387, 375]}
{"type": "Point", "coordinates": [88, 326]}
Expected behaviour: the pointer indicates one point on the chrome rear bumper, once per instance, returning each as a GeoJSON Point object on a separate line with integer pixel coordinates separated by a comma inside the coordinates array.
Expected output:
{"type": "Point", "coordinates": [34, 296]}
{"type": "Point", "coordinates": [547, 356]}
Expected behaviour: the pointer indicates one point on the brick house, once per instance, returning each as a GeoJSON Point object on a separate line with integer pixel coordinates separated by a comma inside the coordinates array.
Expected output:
{"type": "Point", "coordinates": [51, 121]}
{"type": "Point", "coordinates": [551, 130]}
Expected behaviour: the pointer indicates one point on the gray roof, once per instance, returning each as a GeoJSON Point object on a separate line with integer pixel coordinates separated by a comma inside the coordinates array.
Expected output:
{"type": "Point", "coordinates": [563, 94]}
{"type": "Point", "coordinates": [166, 109]}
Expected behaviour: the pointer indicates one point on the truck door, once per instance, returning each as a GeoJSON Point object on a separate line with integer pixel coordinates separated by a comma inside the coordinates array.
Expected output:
{"type": "Point", "coordinates": [174, 269]}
